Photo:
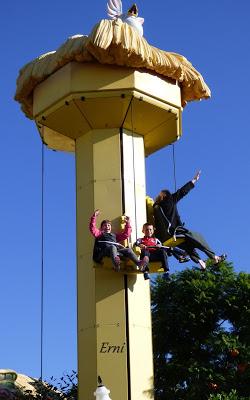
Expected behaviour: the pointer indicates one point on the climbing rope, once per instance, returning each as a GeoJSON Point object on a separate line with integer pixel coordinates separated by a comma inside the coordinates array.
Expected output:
{"type": "Point", "coordinates": [174, 166]}
{"type": "Point", "coordinates": [129, 109]}
{"type": "Point", "coordinates": [133, 157]}
{"type": "Point", "coordinates": [42, 261]}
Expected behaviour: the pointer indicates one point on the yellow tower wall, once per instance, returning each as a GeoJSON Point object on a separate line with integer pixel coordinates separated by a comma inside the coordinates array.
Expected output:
{"type": "Point", "coordinates": [113, 309]}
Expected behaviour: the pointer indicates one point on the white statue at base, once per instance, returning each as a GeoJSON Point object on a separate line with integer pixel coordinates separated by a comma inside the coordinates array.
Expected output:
{"type": "Point", "coordinates": [101, 393]}
{"type": "Point", "coordinates": [114, 10]}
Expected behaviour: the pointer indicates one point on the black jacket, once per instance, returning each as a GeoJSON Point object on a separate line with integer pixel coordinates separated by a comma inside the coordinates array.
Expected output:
{"type": "Point", "coordinates": [166, 214]}
{"type": "Point", "coordinates": [99, 247]}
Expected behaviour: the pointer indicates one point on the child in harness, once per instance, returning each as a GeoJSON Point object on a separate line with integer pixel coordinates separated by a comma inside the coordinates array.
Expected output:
{"type": "Point", "coordinates": [152, 250]}
{"type": "Point", "coordinates": [108, 243]}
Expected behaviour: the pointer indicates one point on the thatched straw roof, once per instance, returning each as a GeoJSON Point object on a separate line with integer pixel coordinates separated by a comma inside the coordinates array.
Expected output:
{"type": "Point", "coordinates": [117, 43]}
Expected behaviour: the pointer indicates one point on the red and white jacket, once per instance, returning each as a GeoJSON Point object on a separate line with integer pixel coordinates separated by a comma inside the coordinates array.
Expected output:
{"type": "Point", "coordinates": [148, 242]}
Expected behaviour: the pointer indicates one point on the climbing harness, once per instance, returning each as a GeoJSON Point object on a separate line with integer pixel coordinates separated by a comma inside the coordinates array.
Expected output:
{"type": "Point", "coordinates": [112, 243]}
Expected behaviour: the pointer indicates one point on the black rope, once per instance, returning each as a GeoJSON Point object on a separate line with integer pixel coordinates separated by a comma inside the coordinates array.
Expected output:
{"type": "Point", "coordinates": [125, 275]}
{"type": "Point", "coordinates": [174, 168]}
{"type": "Point", "coordinates": [42, 261]}
{"type": "Point", "coordinates": [133, 156]}
{"type": "Point", "coordinates": [124, 119]}
{"type": "Point", "coordinates": [122, 170]}
{"type": "Point", "coordinates": [130, 107]}
{"type": "Point", "coordinates": [122, 155]}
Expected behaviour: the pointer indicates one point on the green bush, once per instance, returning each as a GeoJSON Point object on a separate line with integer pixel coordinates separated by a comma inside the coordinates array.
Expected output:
{"type": "Point", "coordinates": [230, 396]}
{"type": "Point", "coordinates": [201, 334]}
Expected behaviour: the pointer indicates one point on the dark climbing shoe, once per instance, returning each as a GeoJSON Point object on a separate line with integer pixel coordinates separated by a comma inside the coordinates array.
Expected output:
{"type": "Point", "coordinates": [221, 258]}
{"type": "Point", "coordinates": [143, 263]}
{"type": "Point", "coordinates": [183, 259]}
{"type": "Point", "coordinates": [146, 276]}
{"type": "Point", "coordinates": [117, 264]}
{"type": "Point", "coordinates": [166, 276]}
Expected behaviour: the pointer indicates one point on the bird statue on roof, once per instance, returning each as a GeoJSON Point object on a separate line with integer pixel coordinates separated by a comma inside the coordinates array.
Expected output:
{"type": "Point", "coordinates": [114, 10]}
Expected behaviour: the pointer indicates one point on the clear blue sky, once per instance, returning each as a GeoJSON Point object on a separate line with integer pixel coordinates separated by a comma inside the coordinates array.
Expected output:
{"type": "Point", "coordinates": [215, 37]}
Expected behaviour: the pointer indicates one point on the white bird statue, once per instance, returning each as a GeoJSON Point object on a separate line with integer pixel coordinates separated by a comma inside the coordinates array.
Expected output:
{"type": "Point", "coordinates": [114, 10]}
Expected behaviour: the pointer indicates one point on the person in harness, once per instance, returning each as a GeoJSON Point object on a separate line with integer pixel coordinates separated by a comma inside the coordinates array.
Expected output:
{"type": "Point", "coordinates": [107, 243]}
{"type": "Point", "coordinates": [168, 224]}
{"type": "Point", "coordinates": [153, 250]}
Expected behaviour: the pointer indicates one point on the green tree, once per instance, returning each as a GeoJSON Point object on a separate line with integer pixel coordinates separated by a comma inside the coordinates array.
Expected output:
{"type": "Point", "coordinates": [227, 396]}
{"type": "Point", "coordinates": [201, 333]}
{"type": "Point", "coordinates": [64, 388]}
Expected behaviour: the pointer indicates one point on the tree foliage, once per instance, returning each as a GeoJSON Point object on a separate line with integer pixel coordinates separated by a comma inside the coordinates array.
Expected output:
{"type": "Point", "coordinates": [64, 388]}
{"type": "Point", "coordinates": [227, 396]}
{"type": "Point", "coordinates": [201, 333]}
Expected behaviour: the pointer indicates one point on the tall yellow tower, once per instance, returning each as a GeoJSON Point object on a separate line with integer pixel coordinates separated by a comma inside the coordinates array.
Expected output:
{"type": "Point", "coordinates": [112, 99]}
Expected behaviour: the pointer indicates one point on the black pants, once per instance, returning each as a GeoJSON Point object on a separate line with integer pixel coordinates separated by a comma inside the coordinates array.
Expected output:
{"type": "Point", "coordinates": [177, 253]}
{"type": "Point", "coordinates": [112, 251]}
{"type": "Point", "coordinates": [194, 240]}
{"type": "Point", "coordinates": [156, 255]}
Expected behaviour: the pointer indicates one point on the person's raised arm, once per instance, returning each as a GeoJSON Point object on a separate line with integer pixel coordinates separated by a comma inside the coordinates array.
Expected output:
{"type": "Point", "coordinates": [126, 231]}
{"type": "Point", "coordinates": [92, 224]}
{"type": "Point", "coordinates": [196, 177]}
{"type": "Point", "coordinates": [184, 190]}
